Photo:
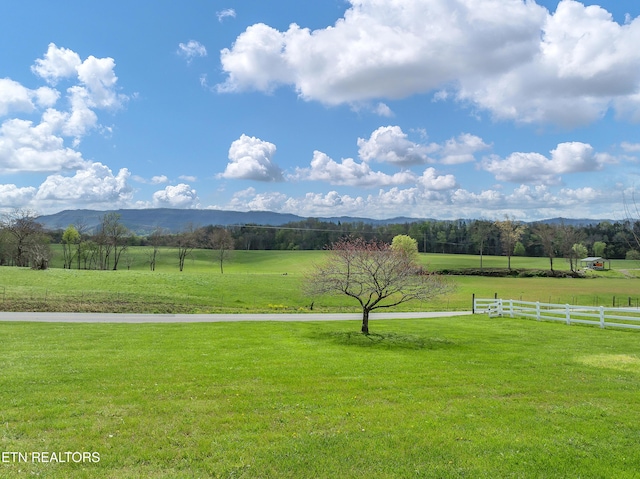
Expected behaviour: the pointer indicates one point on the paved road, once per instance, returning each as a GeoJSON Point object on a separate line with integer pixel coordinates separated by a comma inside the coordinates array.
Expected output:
{"type": "Point", "coordinates": [209, 318]}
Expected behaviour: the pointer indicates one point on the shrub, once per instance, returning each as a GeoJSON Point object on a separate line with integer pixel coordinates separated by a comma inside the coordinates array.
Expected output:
{"type": "Point", "coordinates": [633, 255]}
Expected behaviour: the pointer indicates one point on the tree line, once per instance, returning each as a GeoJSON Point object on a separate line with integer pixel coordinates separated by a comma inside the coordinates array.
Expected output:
{"type": "Point", "coordinates": [24, 242]}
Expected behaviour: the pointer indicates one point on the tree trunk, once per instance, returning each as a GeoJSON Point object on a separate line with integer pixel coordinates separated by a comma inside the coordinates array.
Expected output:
{"type": "Point", "coordinates": [365, 321]}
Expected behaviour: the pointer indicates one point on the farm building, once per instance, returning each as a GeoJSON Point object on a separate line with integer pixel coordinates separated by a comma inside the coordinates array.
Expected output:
{"type": "Point", "coordinates": [595, 262]}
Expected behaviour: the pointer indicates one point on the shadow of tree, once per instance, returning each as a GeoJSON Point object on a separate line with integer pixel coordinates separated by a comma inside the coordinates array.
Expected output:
{"type": "Point", "coordinates": [386, 340]}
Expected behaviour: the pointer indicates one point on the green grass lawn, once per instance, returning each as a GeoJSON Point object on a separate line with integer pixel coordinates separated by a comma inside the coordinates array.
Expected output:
{"type": "Point", "coordinates": [468, 397]}
{"type": "Point", "coordinates": [268, 281]}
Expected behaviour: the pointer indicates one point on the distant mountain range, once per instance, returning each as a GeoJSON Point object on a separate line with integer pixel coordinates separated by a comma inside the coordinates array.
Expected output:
{"type": "Point", "coordinates": [144, 221]}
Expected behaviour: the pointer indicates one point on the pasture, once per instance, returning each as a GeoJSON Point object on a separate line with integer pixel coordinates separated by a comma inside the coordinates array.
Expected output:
{"type": "Point", "coordinates": [268, 281]}
{"type": "Point", "coordinates": [447, 398]}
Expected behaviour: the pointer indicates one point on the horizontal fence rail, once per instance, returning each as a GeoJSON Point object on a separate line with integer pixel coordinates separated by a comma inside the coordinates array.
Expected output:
{"type": "Point", "coordinates": [570, 314]}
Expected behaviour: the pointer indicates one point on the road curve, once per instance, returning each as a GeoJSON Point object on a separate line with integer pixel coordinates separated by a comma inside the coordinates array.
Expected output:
{"type": "Point", "coordinates": [209, 318]}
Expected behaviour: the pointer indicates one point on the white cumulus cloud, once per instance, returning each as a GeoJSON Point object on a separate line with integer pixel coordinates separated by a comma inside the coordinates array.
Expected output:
{"type": "Point", "coordinates": [430, 180]}
{"type": "Point", "coordinates": [251, 159]}
{"type": "Point", "coordinates": [94, 186]}
{"type": "Point", "coordinates": [94, 87]}
{"type": "Point", "coordinates": [57, 63]}
{"type": "Point", "coordinates": [461, 149]}
{"type": "Point", "coordinates": [12, 196]}
{"type": "Point", "coordinates": [349, 172]}
{"type": "Point", "coordinates": [566, 158]}
{"type": "Point", "coordinates": [179, 196]}
{"type": "Point", "coordinates": [16, 98]}
{"type": "Point", "coordinates": [387, 49]}
{"type": "Point", "coordinates": [524, 201]}
{"type": "Point", "coordinates": [390, 144]}
{"type": "Point", "coordinates": [512, 58]}
{"type": "Point", "coordinates": [25, 147]}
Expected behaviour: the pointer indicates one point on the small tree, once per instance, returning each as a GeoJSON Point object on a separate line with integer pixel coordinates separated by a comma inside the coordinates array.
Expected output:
{"type": "Point", "coordinates": [374, 274]}
{"type": "Point", "coordinates": [519, 249]}
{"type": "Point", "coordinates": [481, 230]}
{"type": "Point", "coordinates": [599, 248]}
{"type": "Point", "coordinates": [405, 244]}
{"type": "Point", "coordinates": [578, 251]}
{"type": "Point", "coordinates": [567, 238]}
{"type": "Point", "coordinates": [116, 236]}
{"type": "Point", "coordinates": [547, 234]}
{"type": "Point", "coordinates": [39, 252]}
{"type": "Point", "coordinates": [633, 254]}
{"type": "Point", "coordinates": [185, 242]}
{"type": "Point", "coordinates": [70, 240]}
{"type": "Point", "coordinates": [510, 233]}
{"type": "Point", "coordinates": [221, 241]}
{"type": "Point", "coordinates": [24, 231]}
{"type": "Point", "coordinates": [155, 239]}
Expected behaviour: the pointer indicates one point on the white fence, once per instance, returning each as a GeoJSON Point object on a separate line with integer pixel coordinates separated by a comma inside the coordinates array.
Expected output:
{"type": "Point", "coordinates": [597, 316]}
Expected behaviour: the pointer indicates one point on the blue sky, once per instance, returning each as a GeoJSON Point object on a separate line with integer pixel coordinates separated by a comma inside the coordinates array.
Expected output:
{"type": "Point", "coordinates": [422, 108]}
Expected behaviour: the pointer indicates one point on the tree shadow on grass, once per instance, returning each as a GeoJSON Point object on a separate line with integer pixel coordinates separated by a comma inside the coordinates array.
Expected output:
{"type": "Point", "coordinates": [386, 340]}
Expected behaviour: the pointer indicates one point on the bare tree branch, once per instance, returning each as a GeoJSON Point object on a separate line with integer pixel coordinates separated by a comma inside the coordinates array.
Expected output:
{"type": "Point", "coordinates": [375, 275]}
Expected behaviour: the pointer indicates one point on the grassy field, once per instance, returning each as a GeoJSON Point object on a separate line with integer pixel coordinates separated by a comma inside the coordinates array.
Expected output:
{"type": "Point", "coordinates": [467, 397]}
{"type": "Point", "coordinates": [269, 281]}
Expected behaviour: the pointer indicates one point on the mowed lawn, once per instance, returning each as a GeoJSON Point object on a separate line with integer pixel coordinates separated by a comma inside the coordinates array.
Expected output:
{"type": "Point", "coordinates": [466, 397]}
{"type": "Point", "coordinates": [271, 281]}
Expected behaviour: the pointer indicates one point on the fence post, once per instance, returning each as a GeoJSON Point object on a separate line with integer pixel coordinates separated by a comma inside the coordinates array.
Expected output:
{"type": "Point", "coordinates": [602, 317]}
{"type": "Point", "coordinates": [537, 310]}
{"type": "Point", "coordinates": [511, 308]}
{"type": "Point", "coordinates": [500, 307]}
{"type": "Point", "coordinates": [568, 313]}
{"type": "Point", "coordinates": [473, 303]}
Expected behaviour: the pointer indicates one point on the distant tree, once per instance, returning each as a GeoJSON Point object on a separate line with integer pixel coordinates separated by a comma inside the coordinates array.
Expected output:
{"type": "Point", "coordinates": [128, 260]}
{"type": "Point", "coordinates": [406, 245]}
{"type": "Point", "coordinates": [82, 228]}
{"type": "Point", "coordinates": [23, 233]}
{"type": "Point", "coordinates": [579, 252]}
{"type": "Point", "coordinates": [519, 249]}
{"type": "Point", "coordinates": [569, 236]}
{"type": "Point", "coordinates": [480, 231]}
{"type": "Point", "coordinates": [374, 274]}
{"type": "Point", "coordinates": [155, 240]}
{"type": "Point", "coordinates": [39, 252]}
{"type": "Point", "coordinates": [510, 233]}
{"type": "Point", "coordinates": [547, 235]}
{"type": "Point", "coordinates": [599, 247]}
{"type": "Point", "coordinates": [632, 211]}
{"type": "Point", "coordinates": [221, 241]}
{"type": "Point", "coordinates": [70, 240]}
{"type": "Point", "coordinates": [115, 235]}
{"type": "Point", "coordinates": [441, 239]}
{"type": "Point", "coordinates": [185, 242]}
{"type": "Point", "coordinates": [633, 254]}
{"type": "Point", "coordinates": [90, 254]}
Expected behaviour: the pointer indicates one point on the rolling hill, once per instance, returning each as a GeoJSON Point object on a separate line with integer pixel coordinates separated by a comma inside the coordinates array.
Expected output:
{"type": "Point", "coordinates": [144, 221]}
